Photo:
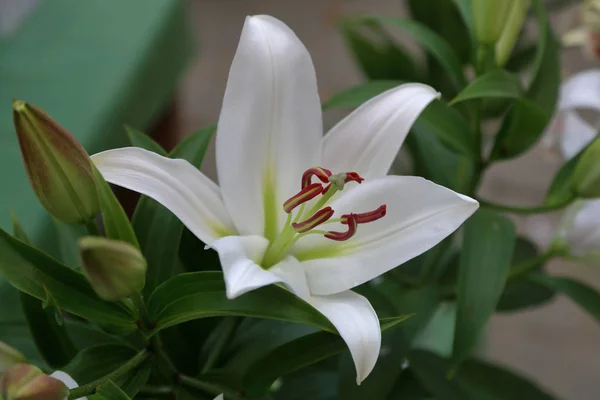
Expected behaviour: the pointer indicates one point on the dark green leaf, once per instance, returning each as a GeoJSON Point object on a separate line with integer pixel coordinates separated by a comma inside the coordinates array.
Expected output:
{"type": "Point", "coordinates": [356, 95]}
{"type": "Point", "coordinates": [488, 244]}
{"type": "Point", "coordinates": [431, 42]}
{"type": "Point", "coordinates": [527, 120]}
{"type": "Point", "coordinates": [95, 362]}
{"type": "Point", "coordinates": [521, 58]}
{"type": "Point", "coordinates": [498, 84]}
{"type": "Point", "coordinates": [202, 294]}
{"type": "Point", "coordinates": [296, 354]}
{"type": "Point", "coordinates": [116, 223]}
{"type": "Point", "coordinates": [560, 191]}
{"type": "Point", "coordinates": [583, 295]}
{"type": "Point", "coordinates": [431, 371]}
{"type": "Point", "coordinates": [466, 11]}
{"type": "Point", "coordinates": [407, 387]}
{"type": "Point", "coordinates": [376, 53]}
{"type": "Point", "coordinates": [68, 237]}
{"type": "Point", "coordinates": [109, 391]}
{"type": "Point", "coordinates": [523, 293]}
{"type": "Point", "coordinates": [34, 273]}
{"type": "Point", "coordinates": [158, 229]}
{"type": "Point", "coordinates": [140, 139]}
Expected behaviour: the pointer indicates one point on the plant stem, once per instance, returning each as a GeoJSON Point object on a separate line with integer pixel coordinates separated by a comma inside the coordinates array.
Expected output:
{"type": "Point", "coordinates": [524, 210]}
{"type": "Point", "coordinates": [129, 366]}
{"type": "Point", "coordinates": [145, 323]}
{"type": "Point", "coordinates": [207, 387]}
{"type": "Point", "coordinates": [151, 391]}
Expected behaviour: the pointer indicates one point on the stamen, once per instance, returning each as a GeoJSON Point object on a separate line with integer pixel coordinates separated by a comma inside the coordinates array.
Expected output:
{"type": "Point", "coordinates": [350, 220]}
{"type": "Point", "coordinates": [314, 221]}
{"type": "Point", "coordinates": [363, 218]}
{"type": "Point", "coordinates": [308, 193]}
{"type": "Point", "coordinates": [353, 176]}
{"type": "Point", "coordinates": [321, 173]}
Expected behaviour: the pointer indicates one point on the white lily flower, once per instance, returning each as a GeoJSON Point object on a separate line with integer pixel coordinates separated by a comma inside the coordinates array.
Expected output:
{"type": "Point", "coordinates": [67, 380]}
{"type": "Point", "coordinates": [266, 218]}
{"type": "Point", "coordinates": [569, 131]}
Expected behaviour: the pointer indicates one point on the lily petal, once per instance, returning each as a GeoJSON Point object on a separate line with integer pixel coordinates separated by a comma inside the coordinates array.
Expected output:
{"type": "Point", "coordinates": [368, 140]}
{"type": "Point", "coordinates": [420, 214]}
{"type": "Point", "coordinates": [582, 90]}
{"type": "Point", "coordinates": [270, 127]}
{"type": "Point", "coordinates": [577, 133]}
{"type": "Point", "coordinates": [176, 184]}
{"type": "Point", "coordinates": [583, 234]}
{"type": "Point", "coordinates": [357, 323]}
{"type": "Point", "coordinates": [66, 379]}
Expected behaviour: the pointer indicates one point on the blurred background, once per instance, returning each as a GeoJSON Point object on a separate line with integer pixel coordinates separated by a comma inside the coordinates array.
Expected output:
{"type": "Point", "coordinates": [161, 66]}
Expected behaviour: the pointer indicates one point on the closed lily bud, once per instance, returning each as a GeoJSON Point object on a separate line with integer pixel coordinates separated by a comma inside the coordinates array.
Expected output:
{"type": "Point", "coordinates": [58, 168]}
{"type": "Point", "coordinates": [26, 382]}
{"type": "Point", "coordinates": [510, 32]}
{"type": "Point", "coordinates": [586, 178]}
{"type": "Point", "coordinates": [579, 231]}
{"type": "Point", "coordinates": [114, 268]}
{"type": "Point", "coordinates": [490, 17]}
{"type": "Point", "coordinates": [9, 357]}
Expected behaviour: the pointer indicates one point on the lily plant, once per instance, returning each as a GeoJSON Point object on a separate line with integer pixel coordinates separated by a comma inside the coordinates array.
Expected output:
{"type": "Point", "coordinates": [316, 214]}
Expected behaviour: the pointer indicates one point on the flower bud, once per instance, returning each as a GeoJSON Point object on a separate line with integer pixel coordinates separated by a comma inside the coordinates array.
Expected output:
{"type": "Point", "coordinates": [587, 34]}
{"type": "Point", "coordinates": [586, 177]}
{"type": "Point", "coordinates": [114, 268]}
{"type": "Point", "coordinates": [510, 32]}
{"type": "Point", "coordinates": [9, 357]}
{"type": "Point", "coordinates": [58, 168]}
{"type": "Point", "coordinates": [490, 17]}
{"type": "Point", "coordinates": [26, 382]}
{"type": "Point", "coordinates": [579, 231]}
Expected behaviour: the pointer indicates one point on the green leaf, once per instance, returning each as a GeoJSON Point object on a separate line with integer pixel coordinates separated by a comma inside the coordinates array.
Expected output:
{"type": "Point", "coordinates": [488, 244]}
{"type": "Point", "coordinates": [356, 95]}
{"type": "Point", "coordinates": [109, 391]}
{"type": "Point", "coordinates": [377, 54]}
{"type": "Point", "coordinates": [202, 294]}
{"type": "Point", "coordinates": [523, 293]}
{"type": "Point", "coordinates": [431, 42]}
{"type": "Point", "coordinates": [527, 120]}
{"type": "Point", "coordinates": [583, 295]}
{"type": "Point", "coordinates": [34, 273]}
{"type": "Point", "coordinates": [497, 84]}
{"type": "Point", "coordinates": [68, 236]}
{"type": "Point", "coordinates": [466, 11]}
{"type": "Point", "coordinates": [586, 176]}
{"type": "Point", "coordinates": [299, 353]}
{"type": "Point", "coordinates": [116, 223]}
{"type": "Point", "coordinates": [95, 362]}
{"type": "Point", "coordinates": [476, 380]}
{"type": "Point", "coordinates": [158, 229]}
{"type": "Point", "coordinates": [140, 139]}
{"type": "Point", "coordinates": [560, 191]}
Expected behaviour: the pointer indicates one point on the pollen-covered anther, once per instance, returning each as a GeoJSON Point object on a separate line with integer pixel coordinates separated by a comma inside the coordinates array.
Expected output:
{"type": "Point", "coordinates": [363, 218]}
{"type": "Point", "coordinates": [349, 220]}
{"type": "Point", "coordinates": [321, 173]}
{"type": "Point", "coordinates": [308, 193]}
{"type": "Point", "coordinates": [340, 180]}
{"type": "Point", "coordinates": [353, 176]}
{"type": "Point", "coordinates": [320, 217]}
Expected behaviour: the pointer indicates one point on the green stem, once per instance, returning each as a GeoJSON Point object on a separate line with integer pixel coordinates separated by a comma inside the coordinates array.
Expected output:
{"type": "Point", "coordinates": [169, 369]}
{"type": "Point", "coordinates": [151, 391]}
{"type": "Point", "coordinates": [524, 210]}
{"type": "Point", "coordinates": [520, 269]}
{"type": "Point", "coordinates": [132, 364]}
{"type": "Point", "coordinates": [207, 387]}
{"type": "Point", "coordinates": [145, 322]}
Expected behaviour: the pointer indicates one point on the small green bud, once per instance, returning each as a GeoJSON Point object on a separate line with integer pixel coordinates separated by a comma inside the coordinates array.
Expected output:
{"type": "Point", "coordinates": [58, 168]}
{"type": "Point", "coordinates": [114, 268]}
{"type": "Point", "coordinates": [510, 33]}
{"type": "Point", "coordinates": [586, 178]}
{"type": "Point", "coordinates": [26, 382]}
{"type": "Point", "coordinates": [9, 357]}
{"type": "Point", "coordinates": [490, 17]}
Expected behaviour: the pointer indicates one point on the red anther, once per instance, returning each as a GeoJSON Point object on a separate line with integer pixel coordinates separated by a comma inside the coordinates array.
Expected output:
{"type": "Point", "coordinates": [321, 173]}
{"type": "Point", "coordinates": [350, 220]}
{"type": "Point", "coordinates": [363, 218]}
{"type": "Point", "coordinates": [314, 221]}
{"type": "Point", "coordinates": [353, 176]}
{"type": "Point", "coordinates": [306, 194]}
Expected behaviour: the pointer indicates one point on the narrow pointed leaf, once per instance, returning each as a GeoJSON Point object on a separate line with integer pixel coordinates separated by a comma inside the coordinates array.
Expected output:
{"type": "Point", "coordinates": [202, 294]}
{"type": "Point", "coordinates": [299, 353]}
{"type": "Point", "coordinates": [488, 244]}
{"type": "Point", "coordinates": [496, 84]}
{"type": "Point", "coordinates": [68, 236]}
{"type": "Point", "coordinates": [140, 139]}
{"type": "Point", "coordinates": [34, 273]}
{"type": "Point", "coordinates": [158, 230]}
{"type": "Point", "coordinates": [109, 391]}
{"type": "Point", "coordinates": [561, 189]}
{"type": "Point", "coordinates": [583, 295]}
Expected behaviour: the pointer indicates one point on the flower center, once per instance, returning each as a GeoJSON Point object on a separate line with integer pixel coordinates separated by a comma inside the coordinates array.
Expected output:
{"type": "Point", "coordinates": [302, 222]}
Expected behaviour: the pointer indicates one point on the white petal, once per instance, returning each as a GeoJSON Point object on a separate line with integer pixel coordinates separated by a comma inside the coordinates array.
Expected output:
{"type": "Point", "coordinates": [583, 229]}
{"type": "Point", "coordinates": [66, 379]}
{"type": "Point", "coordinates": [357, 323]}
{"type": "Point", "coordinates": [582, 90]}
{"type": "Point", "coordinates": [368, 140]}
{"type": "Point", "coordinates": [219, 397]}
{"type": "Point", "coordinates": [176, 184]}
{"type": "Point", "coordinates": [239, 256]}
{"type": "Point", "coordinates": [577, 134]}
{"type": "Point", "coordinates": [270, 127]}
{"type": "Point", "coordinates": [420, 214]}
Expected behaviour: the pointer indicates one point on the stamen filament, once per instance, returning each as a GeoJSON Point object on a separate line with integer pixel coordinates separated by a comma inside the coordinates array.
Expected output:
{"type": "Point", "coordinates": [317, 219]}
